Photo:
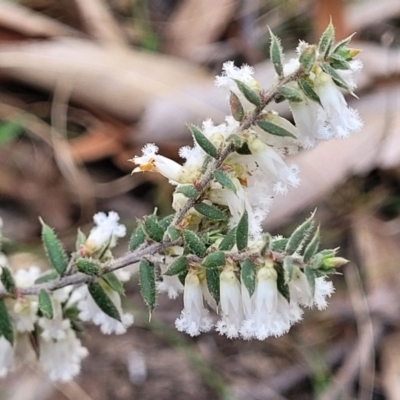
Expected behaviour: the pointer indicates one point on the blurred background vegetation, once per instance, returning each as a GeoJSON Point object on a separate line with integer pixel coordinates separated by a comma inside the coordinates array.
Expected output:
{"type": "Point", "coordinates": [85, 83]}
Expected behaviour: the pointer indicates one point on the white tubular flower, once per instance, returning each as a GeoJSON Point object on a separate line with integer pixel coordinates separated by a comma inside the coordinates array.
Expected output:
{"type": "Point", "coordinates": [151, 161]}
{"type": "Point", "coordinates": [273, 166]}
{"type": "Point", "coordinates": [25, 278]}
{"type": "Point", "coordinates": [271, 315]}
{"type": "Point", "coordinates": [194, 318]}
{"type": "Point", "coordinates": [6, 356]}
{"type": "Point", "coordinates": [90, 311]}
{"type": "Point", "coordinates": [106, 231]}
{"type": "Point", "coordinates": [309, 117]}
{"type": "Point", "coordinates": [230, 304]}
{"type": "Point", "coordinates": [348, 74]}
{"type": "Point", "coordinates": [341, 120]}
{"type": "Point", "coordinates": [61, 359]}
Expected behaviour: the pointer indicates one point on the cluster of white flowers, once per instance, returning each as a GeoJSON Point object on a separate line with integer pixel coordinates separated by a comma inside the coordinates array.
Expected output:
{"type": "Point", "coordinates": [221, 259]}
{"type": "Point", "coordinates": [59, 350]}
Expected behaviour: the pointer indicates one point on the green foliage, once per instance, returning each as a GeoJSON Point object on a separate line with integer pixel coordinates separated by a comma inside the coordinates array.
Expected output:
{"type": "Point", "coordinates": [45, 304]}
{"type": "Point", "coordinates": [103, 301]}
{"type": "Point", "coordinates": [203, 142]}
{"type": "Point", "coordinates": [242, 232]}
{"type": "Point", "coordinates": [147, 283]}
{"type": "Point", "coordinates": [248, 275]}
{"type": "Point", "coordinates": [248, 93]}
{"type": "Point", "coordinates": [6, 328]}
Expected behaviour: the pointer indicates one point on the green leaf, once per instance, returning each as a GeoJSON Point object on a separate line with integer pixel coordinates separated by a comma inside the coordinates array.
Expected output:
{"type": "Point", "coordinates": [236, 140]}
{"type": "Point", "coordinates": [215, 260]}
{"type": "Point", "coordinates": [203, 142]}
{"type": "Point", "coordinates": [166, 221]}
{"type": "Point", "coordinates": [236, 107]}
{"type": "Point", "coordinates": [276, 54]}
{"type": "Point", "coordinates": [281, 284]}
{"type": "Point", "coordinates": [193, 243]}
{"type": "Point", "coordinates": [212, 276]}
{"type": "Point", "coordinates": [248, 275]}
{"type": "Point", "coordinates": [47, 277]}
{"type": "Point", "coordinates": [6, 328]}
{"type": "Point", "coordinates": [228, 241]}
{"type": "Point", "coordinates": [288, 267]}
{"type": "Point", "coordinates": [137, 238]}
{"type": "Point", "coordinates": [248, 93]}
{"type": "Point", "coordinates": [178, 266]}
{"type": "Point", "coordinates": [224, 180]}
{"type": "Point", "coordinates": [153, 228]}
{"type": "Point", "coordinates": [290, 94]}
{"type": "Point", "coordinates": [210, 212]}
{"type": "Point", "coordinates": [80, 239]}
{"type": "Point", "coordinates": [335, 76]}
{"type": "Point", "coordinates": [101, 298]}
{"type": "Point", "coordinates": [310, 275]}
{"type": "Point", "coordinates": [113, 282]}
{"type": "Point", "coordinates": [7, 279]}
{"type": "Point", "coordinates": [242, 232]}
{"type": "Point", "coordinates": [299, 236]}
{"type": "Point", "coordinates": [307, 58]}
{"type": "Point", "coordinates": [9, 130]}
{"type": "Point", "coordinates": [188, 190]}
{"type": "Point", "coordinates": [45, 304]}
{"type": "Point", "coordinates": [338, 62]}
{"type": "Point", "coordinates": [343, 43]}
{"type": "Point", "coordinates": [279, 244]}
{"type": "Point", "coordinates": [173, 233]}
{"type": "Point", "coordinates": [312, 247]}
{"type": "Point", "coordinates": [147, 283]}
{"type": "Point", "coordinates": [308, 90]}
{"type": "Point", "coordinates": [54, 250]}
{"type": "Point", "coordinates": [326, 40]}
{"type": "Point", "coordinates": [266, 237]}
{"type": "Point", "coordinates": [88, 266]}
{"type": "Point", "coordinates": [182, 276]}
{"type": "Point", "coordinates": [274, 129]}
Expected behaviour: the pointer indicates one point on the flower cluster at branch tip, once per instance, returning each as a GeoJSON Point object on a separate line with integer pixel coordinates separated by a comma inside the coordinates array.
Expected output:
{"type": "Point", "coordinates": [213, 248]}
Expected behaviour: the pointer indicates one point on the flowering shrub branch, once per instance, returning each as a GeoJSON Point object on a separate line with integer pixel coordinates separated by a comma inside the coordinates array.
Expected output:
{"type": "Point", "coordinates": [213, 248]}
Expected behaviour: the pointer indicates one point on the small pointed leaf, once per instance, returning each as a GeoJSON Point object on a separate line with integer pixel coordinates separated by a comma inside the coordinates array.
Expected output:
{"type": "Point", "coordinates": [335, 76]}
{"type": "Point", "coordinates": [212, 276]}
{"type": "Point", "coordinates": [275, 130]}
{"type": "Point", "coordinates": [113, 282]}
{"type": "Point", "coordinates": [242, 232]}
{"type": "Point", "coordinates": [248, 93]}
{"type": "Point", "coordinates": [203, 142]}
{"type": "Point", "coordinates": [224, 180]}
{"type": "Point", "coordinates": [312, 247]}
{"type": "Point", "coordinates": [307, 58]}
{"type": "Point", "coordinates": [310, 275]}
{"type": "Point", "coordinates": [80, 239]}
{"type": "Point", "coordinates": [279, 244]}
{"type": "Point", "coordinates": [166, 221]}
{"type": "Point", "coordinates": [281, 284]}
{"type": "Point", "coordinates": [338, 62]}
{"type": "Point", "coordinates": [193, 243]}
{"type": "Point", "coordinates": [276, 54]}
{"type": "Point", "coordinates": [188, 190]}
{"type": "Point", "coordinates": [173, 233]}
{"type": "Point", "coordinates": [215, 260]}
{"type": "Point", "coordinates": [288, 267]}
{"type": "Point", "coordinates": [88, 266]}
{"type": "Point", "coordinates": [299, 236]}
{"type": "Point", "coordinates": [47, 277]}
{"type": "Point", "coordinates": [7, 279]}
{"type": "Point", "coordinates": [178, 266]}
{"type": "Point", "coordinates": [290, 94]}
{"type": "Point", "coordinates": [153, 228]}
{"type": "Point", "coordinates": [343, 43]}
{"type": "Point", "coordinates": [137, 238]}
{"type": "Point", "coordinates": [326, 40]}
{"type": "Point", "coordinates": [101, 298]}
{"type": "Point", "coordinates": [308, 90]}
{"type": "Point", "coordinates": [248, 275]}
{"type": "Point", "coordinates": [228, 241]}
{"type": "Point", "coordinates": [45, 304]}
{"type": "Point", "coordinates": [6, 328]}
{"type": "Point", "coordinates": [210, 212]}
{"type": "Point", "coordinates": [147, 283]}
{"type": "Point", "coordinates": [236, 107]}
{"type": "Point", "coordinates": [54, 250]}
